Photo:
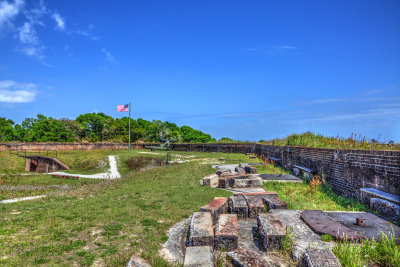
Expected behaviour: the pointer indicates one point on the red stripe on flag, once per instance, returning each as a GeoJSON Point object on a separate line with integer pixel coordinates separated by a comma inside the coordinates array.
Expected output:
{"type": "Point", "coordinates": [123, 108]}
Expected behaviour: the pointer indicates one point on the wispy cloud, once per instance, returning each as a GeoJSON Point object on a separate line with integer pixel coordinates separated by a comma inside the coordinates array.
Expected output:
{"type": "Point", "coordinates": [272, 49]}
{"type": "Point", "coordinates": [378, 91]}
{"type": "Point", "coordinates": [59, 21]}
{"type": "Point", "coordinates": [108, 55]}
{"type": "Point", "coordinates": [328, 100]}
{"type": "Point", "coordinates": [15, 92]}
{"type": "Point", "coordinates": [87, 34]}
{"type": "Point", "coordinates": [8, 11]}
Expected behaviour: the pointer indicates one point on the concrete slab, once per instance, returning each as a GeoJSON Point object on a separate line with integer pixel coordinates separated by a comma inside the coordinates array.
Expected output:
{"type": "Point", "coordinates": [368, 192]}
{"type": "Point", "coordinates": [230, 167]}
{"type": "Point", "coordinates": [271, 230]}
{"type": "Point", "coordinates": [257, 194]}
{"type": "Point", "coordinates": [319, 258]}
{"type": "Point", "coordinates": [303, 236]}
{"type": "Point", "coordinates": [272, 202]}
{"type": "Point", "coordinates": [251, 169]}
{"type": "Point", "coordinates": [321, 223]}
{"type": "Point", "coordinates": [240, 170]}
{"type": "Point", "coordinates": [244, 190]}
{"type": "Point", "coordinates": [226, 232]}
{"type": "Point", "coordinates": [238, 205]}
{"type": "Point", "coordinates": [373, 226]}
{"type": "Point", "coordinates": [218, 206]}
{"type": "Point", "coordinates": [201, 229]}
{"type": "Point", "coordinates": [198, 257]}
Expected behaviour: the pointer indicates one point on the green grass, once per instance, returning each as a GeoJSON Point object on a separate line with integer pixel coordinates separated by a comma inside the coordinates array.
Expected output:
{"type": "Point", "coordinates": [105, 222]}
{"type": "Point", "coordinates": [369, 253]}
{"type": "Point", "coordinates": [300, 196]}
{"type": "Point", "coordinates": [309, 139]}
{"type": "Point", "coordinates": [271, 169]}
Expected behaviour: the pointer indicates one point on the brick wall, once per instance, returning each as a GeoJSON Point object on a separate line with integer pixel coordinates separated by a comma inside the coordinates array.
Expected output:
{"type": "Point", "coordinates": [345, 170]}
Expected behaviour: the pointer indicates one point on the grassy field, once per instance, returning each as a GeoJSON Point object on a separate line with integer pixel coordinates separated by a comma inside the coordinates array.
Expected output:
{"type": "Point", "coordinates": [102, 223]}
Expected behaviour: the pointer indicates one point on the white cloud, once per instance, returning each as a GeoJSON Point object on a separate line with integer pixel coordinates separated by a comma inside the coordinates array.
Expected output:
{"type": "Point", "coordinates": [14, 92]}
{"type": "Point", "coordinates": [59, 20]}
{"type": "Point", "coordinates": [108, 55]}
{"type": "Point", "coordinates": [27, 34]}
{"type": "Point", "coordinates": [8, 11]}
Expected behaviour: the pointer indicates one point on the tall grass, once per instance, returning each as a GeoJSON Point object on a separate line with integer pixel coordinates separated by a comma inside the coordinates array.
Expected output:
{"type": "Point", "coordinates": [369, 252]}
{"type": "Point", "coordinates": [354, 141]}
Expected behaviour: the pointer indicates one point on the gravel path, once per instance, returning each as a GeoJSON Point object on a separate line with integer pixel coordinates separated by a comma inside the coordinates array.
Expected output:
{"type": "Point", "coordinates": [19, 199]}
{"type": "Point", "coordinates": [111, 174]}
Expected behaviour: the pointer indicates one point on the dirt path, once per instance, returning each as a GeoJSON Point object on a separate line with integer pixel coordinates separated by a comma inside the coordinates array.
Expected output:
{"type": "Point", "coordinates": [111, 174]}
{"type": "Point", "coordinates": [19, 199]}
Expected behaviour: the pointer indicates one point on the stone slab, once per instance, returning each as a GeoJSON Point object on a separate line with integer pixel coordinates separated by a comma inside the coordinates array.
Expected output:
{"type": "Point", "coordinates": [226, 232]}
{"type": "Point", "coordinates": [244, 190]}
{"type": "Point", "coordinates": [224, 182]}
{"type": "Point", "coordinates": [240, 170]}
{"type": "Point", "coordinates": [201, 229]}
{"type": "Point", "coordinates": [314, 257]}
{"type": "Point", "coordinates": [244, 258]}
{"type": "Point", "coordinates": [272, 202]}
{"type": "Point", "coordinates": [386, 208]}
{"type": "Point", "coordinates": [257, 194]}
{"type": "Point", "coordinates": [373, 226]}
{"type": "Point", "coordinates": [211, 180]}
{"type": "Point", "coordinates": [173, 250]}
{"type": "Point", "coordinates": [245, 183]}
{"type": "Point", "coordinates": [321, 223]}
{"type": "Point", "coordinates": [303, 237]}
{"type": "Point", "coordinates": [135, 261]}
{"type": "Point", "coordinates": [251, 169]}
{"type": "Point", "coordinates": [230, 167]}
{"type": "Point", "coordinates": [280, 177]}
{"type": "Point", "coordinates": [256, 206]}
{"type": "Point", "coordinates": [198, 257]}
{"type": "Point", "coordinates": [380, 194]}
{"type": "Point", "coordinates": [238, 206]}
{"type": "Point", "coordinates": [218, 206]}
{"type": "Point", "coordinates": [271, 230]}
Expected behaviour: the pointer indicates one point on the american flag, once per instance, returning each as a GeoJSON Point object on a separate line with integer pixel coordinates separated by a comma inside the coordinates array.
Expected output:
{"type": "Point", "coordinates": [123, 108]}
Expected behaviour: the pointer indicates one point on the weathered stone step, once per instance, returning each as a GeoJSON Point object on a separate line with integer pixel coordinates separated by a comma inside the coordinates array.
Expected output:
{"type": "Point", "coordinates": [321, 223]}
{"type": "Point", "coordinates": [238, 205]}
{"type": "Point", "coordinates": [271, 230]}
{"type": "Point", "coordinates": [198, 257]}
{"type": "Point", "coordinates": [244, 258]}
{"type": "Point", "coordinates": [211, 180]}
{"type": "Point", "coordinates": [272, 202]}
{"type": "Point", "coordinates": [258, 194]}
{"type": "Point", "coordinates": [201, 229]}
{"type": "Point", "coordinates": [218, 206]}
{"type": "Point", "coordinates": [314, 257]}
{"type": "Point", "coordinates": [255, 205]}
{"type": "Point", "coordinates": [250, 169]}
{"type": "Point", "coordinates": [226, 232]}
{"type": "Point", "coordinates": [245, 183]}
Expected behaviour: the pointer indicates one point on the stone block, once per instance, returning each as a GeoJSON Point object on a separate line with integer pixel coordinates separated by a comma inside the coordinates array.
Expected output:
{"type": "Point", "coordinates": [272, 202]}
{"type": "Point", "coordinates": [244, 258]}
{"type": "Point", "coordinates": [211, 180]}
{"type": "Point", "coordinates": [238, 206]}
{"type": "Point", "coordinates": [198, 257]}
{"type": "Point", "coordinates": [223, 172]}
{"type": "Point", "coordinates": [246, 183]}
{"type": "Point", "coordinates": [240, 170]}
{"type": "Point", "coordinates": [201, 229]}
{"type": "Point", "coordinates": [135, 261]}
{"type": "Point", "coordinates": [250, 169]}
{"type": "Point", "coordinates": [314, 257]}
{"type": "Point", "coordinates": [224, 182]}
{"type": "Point", "coordinates": [386, 208]}
{"type": "Point", "coordinates": [226, 232]}
{"type": "Point", "coordinates": [271, 230]}
{"type": "Point", "coordinates": [218, 206]}
{"type": "Point", "coordinates": [256, 206]}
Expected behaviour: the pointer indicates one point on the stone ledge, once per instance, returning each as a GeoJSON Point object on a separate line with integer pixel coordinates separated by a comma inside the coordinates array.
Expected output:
{"type": "Point", "coordinates": [271, 230]}
{"type": "Point", "coordinates": [218, 206]}
{"type": "Point", "coordinates": [198, 257]}
{"type": "Point", "coordinates": [201, 229]}
{"type": "Point", "coordinates": [226, 232]}
{"type": "Point", "coordinates": [314, 257]}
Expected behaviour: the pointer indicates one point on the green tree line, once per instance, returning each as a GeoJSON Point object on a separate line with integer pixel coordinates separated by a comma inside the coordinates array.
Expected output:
{"type": "Point", "coordinates": [96, 127]}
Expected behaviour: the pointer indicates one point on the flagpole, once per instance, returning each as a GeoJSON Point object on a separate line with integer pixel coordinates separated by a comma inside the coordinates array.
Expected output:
{"type": "Point", "coordinates": [129, 147]}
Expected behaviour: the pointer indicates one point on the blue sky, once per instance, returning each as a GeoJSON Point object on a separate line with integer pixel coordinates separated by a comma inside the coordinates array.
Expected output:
{"type": "Point", "coordinates": [248, 70]}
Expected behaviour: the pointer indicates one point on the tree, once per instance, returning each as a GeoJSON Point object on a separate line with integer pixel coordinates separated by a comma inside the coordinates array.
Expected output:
{"type": "Point", "coordinates": [7, 132]}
